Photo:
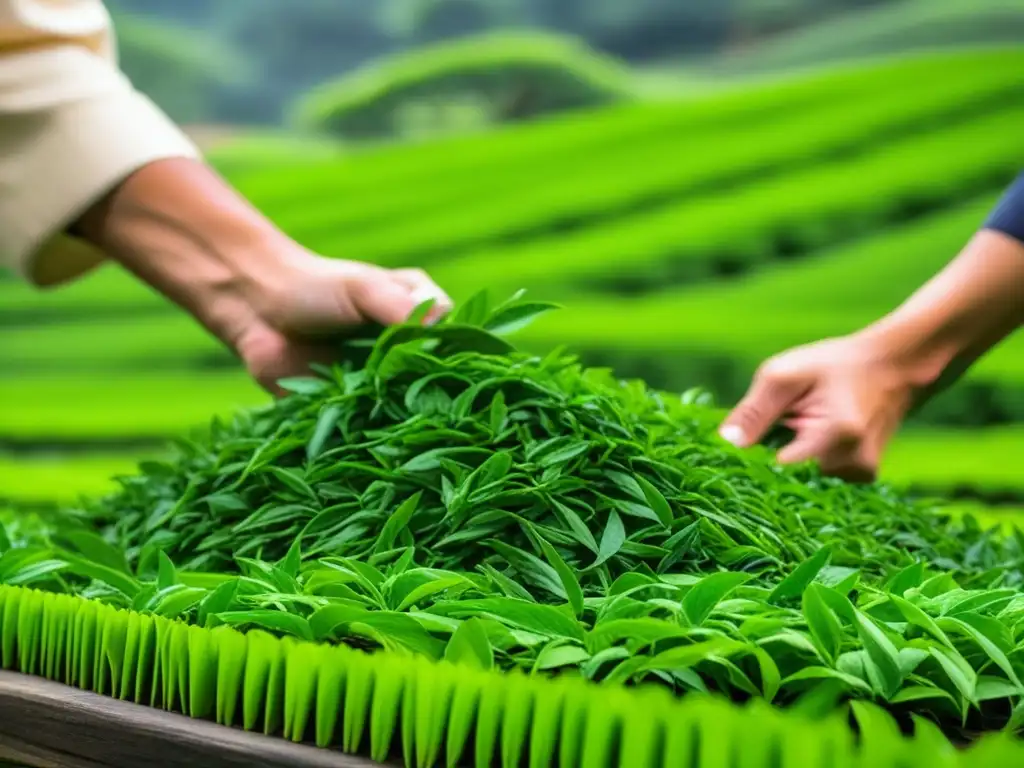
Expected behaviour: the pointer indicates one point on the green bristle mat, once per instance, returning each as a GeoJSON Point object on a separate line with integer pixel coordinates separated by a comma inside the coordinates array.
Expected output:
{"type": "Point", "coordinates": [393, 706]}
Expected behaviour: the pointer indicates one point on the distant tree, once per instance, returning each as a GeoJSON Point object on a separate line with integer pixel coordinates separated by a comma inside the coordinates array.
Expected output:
{"type": "Point", "coordinates": [643, 30]}
{"type": "Point", "coordinates": [419, 22]}
{"type": "Point", "coordinates": [500, 78]}
{"type": "Point", "coordinates": [187, 11]}
{"type": "Point", "coordinates": [563, 15]}
{"type": "Point", "coordinates": [756, 18]}
{"type": "Point", "coordinates": [301, 42]}
{"type": "Point", "coordinates": [294, 44]}
{"type": "Point", "coordinates": [181, 68]}
{"type": "Point", "coordinates": [443, 19]}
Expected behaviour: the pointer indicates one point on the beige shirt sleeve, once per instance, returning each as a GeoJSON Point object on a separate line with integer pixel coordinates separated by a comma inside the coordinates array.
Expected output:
{"type": "Point", "coordinates": [72, 127]}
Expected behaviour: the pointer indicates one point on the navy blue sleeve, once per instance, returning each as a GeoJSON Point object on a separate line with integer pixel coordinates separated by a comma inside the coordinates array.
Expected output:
{"type": "Point", "coordinates": [1008, 216]}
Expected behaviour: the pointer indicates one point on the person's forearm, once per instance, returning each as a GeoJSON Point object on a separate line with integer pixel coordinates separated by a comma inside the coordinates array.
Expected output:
{"type": "Point", "coordinates": [965, 310]}
{"type": "Point", "coordinates": [181, 229]}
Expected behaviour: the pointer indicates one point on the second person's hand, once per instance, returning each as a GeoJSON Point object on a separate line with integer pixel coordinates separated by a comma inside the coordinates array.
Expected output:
{"type": "Point", "coordinates": [844, 398]}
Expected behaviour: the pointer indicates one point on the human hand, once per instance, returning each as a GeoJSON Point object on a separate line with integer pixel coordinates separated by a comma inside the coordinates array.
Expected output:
{"type": "Point", "coordinates": [181, 229]}
{"type": "Point", "coordinates": [284, 324]}
{"type": "Point", "coordinates": [844, 398]}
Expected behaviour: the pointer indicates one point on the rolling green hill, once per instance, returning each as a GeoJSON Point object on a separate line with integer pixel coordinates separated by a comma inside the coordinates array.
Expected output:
{"type": "Point", "coordinates": [541, 183]}
{"type": "Point", "coordinates": [901, 27]}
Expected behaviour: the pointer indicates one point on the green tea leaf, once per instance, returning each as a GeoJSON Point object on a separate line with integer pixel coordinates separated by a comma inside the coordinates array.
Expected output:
{"type": "Point", "coordinates": [32, 572]}
{"type": "Point", "coordinates": [689, 655]}
{"type": "Point", "coordinates": [990, 688]}
{"type": "Point", "coordinates": [113, 578]}
{"type": "Point", "coordinates": [611, 540]}
{"type": "Point", "coordinates": [851, 682]}
{"type": "Point", "coordinates": [275, 621]}
{"type": "Point", "coordinates": [326, 423]}
{"type": "Point", "coordinates": [987, 646]}
{"type": "Point", "coordinates": [470, 645]}
{"type": "Point", "coordinates": [908, 578]}
{"type": "Point", "coordinates": [386, 627]}
{"type": "Point", "coordinates": [498, 413]}
{"type": "Point", "coordinates": [822, 622]}
{"type": "Point", "coordinates": [303, 385]}
{"type": "Point", "coordinates": [958, 671]}
{"type": "Point", "coordinates": [220, 600]}
{"type": "Point", "coordinates": [473, 311]}
{"type": "Point", "coordinates": [797, 581]}
{"type": "Point", "coordinates": [398, 520]}
{"type": "Point", "coordinates": [565, 575]}
{"type": "Point", "coordinates": [575, 524]}
{"type": "Point", "coordinates": [883, 655]}
{"type": "Point", "coordinates": [545, 620]}
{"type": "Point", "coordinates": [514, 317]}
{"type": "Point", "coordinates": [703, 596]}
{"type": "Point", "coordinates": [420, 311]}
{"type": "Point", "coordinates": [919, 618]}
{"type": "Point", "coordinates": [167, 574]}
{"type": "Point", "coordinates": [93, 547]}
{"type": "Point", "coordinates": [656, 501]}
{"type": "Point", "coordinates": [557, 654]}
{"type": "Point", "coordinates": [431, 588]}
{"type": "Point", "coordinates": [175, 600]}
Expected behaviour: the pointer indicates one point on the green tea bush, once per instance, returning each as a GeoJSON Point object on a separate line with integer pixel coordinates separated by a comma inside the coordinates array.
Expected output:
{"type": "Point", "coordinates": [729, 230]}
{"type": "Point", "coordinates": [629, 152]}
{"type": "Point", "coordinates": [649, 153]}
{"type": "Point", "coordinates": [29, 482]}
{"type": "Point", "coordinates": [146, 404]}
{"type": "Point", "coordinates": [508, 77]}
{"type": "Point", "coordinates": [379, 171]}
{"type": "Point", "coordinates": [888, 29]}
{"type": "Point", "coordinates": [653, 176]}
{"type": "Point", "coordinates": [183, 345]}
{"type": "Point", "coordinates": [968, 462]}
{"type": "Point", "coordinates": [677, 336]}
{"type": "Point", "coordinates": [785, 215]}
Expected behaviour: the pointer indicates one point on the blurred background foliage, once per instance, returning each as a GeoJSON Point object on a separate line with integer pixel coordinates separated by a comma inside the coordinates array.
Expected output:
{"type": "Point", "coordinates": [702, 183]}
{"type": "Point", "coordinates": [250, 61]}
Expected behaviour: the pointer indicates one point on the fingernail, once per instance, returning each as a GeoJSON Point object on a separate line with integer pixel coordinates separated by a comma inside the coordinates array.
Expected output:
{"type": "Point", "coordinates": [419, 295]}
{"type": "Point", "coordinates": [732, 434]}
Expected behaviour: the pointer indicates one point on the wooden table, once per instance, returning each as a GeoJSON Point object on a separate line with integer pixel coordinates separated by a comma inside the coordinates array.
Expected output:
{"type": "Point", "coordinates": [49, 725]}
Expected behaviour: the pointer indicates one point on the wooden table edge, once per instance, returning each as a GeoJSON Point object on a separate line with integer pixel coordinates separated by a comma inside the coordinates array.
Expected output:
{"type": "Point", "coordinates": [45, 724]}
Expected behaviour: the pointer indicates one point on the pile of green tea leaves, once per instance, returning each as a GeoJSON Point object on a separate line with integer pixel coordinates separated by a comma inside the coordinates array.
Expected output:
{"type": "Point", "coordinates": [441, 493]}
{"type": "Point", "coordinates": [448, 440]}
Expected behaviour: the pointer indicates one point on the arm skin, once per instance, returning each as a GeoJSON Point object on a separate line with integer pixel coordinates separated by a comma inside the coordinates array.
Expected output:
{"type": "Point", "coordinates": [969, 307]}
{"type": "Point", "coordinates": [959, 315]}
{"type": "Point", "coordinates": [845, 397]}
{"type": "Point", "coordinates": [183, 230]}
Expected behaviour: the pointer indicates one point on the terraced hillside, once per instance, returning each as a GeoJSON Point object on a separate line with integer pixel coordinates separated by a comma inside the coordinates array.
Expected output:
{"type": "Point", "coordinates": [688, 240]}
{"type": "Point", "coordinates": [882, 28]}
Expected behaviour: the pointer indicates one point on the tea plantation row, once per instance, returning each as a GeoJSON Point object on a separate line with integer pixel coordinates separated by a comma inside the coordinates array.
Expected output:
{"type": "Point", "coordinates": [874, 177]}
{"type": "Point", "coordinates": [836, 291]}
{"type": "Point", "coordinates": [880, 28]}
{"type": "Point", "coordinates": [833, 292]}
{"type": "Point", "coordinates": [599, 170]}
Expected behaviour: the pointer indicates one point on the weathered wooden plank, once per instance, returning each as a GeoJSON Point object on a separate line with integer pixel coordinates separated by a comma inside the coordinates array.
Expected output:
{"type": "Point", "coordinates": [49, 725]}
